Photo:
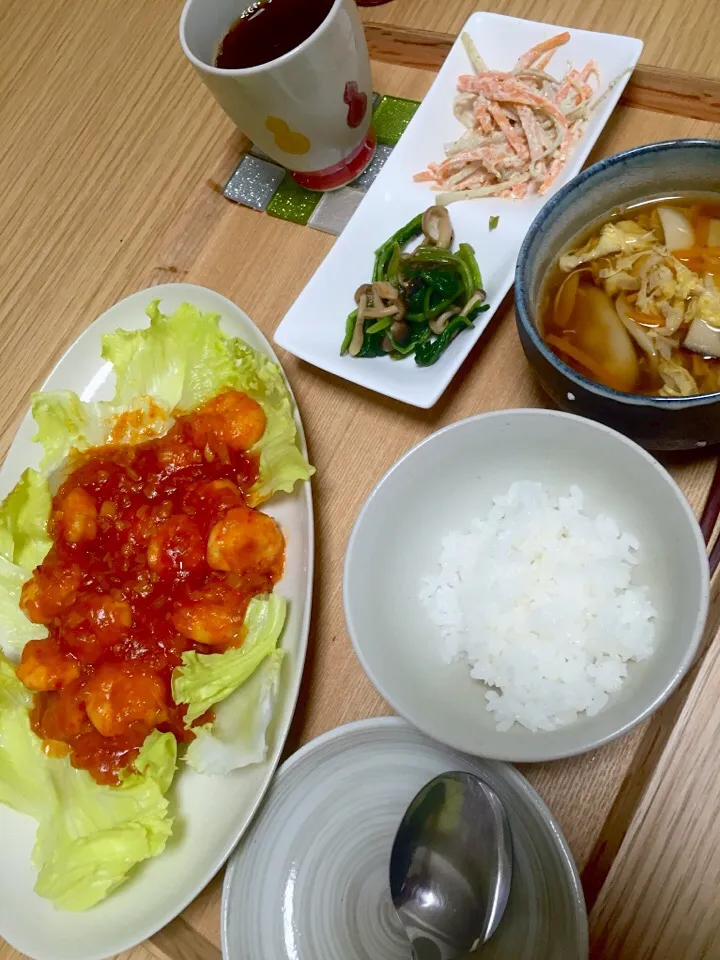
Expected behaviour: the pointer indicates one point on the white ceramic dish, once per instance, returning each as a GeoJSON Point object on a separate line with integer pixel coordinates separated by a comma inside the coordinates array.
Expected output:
{"type": "Point", "coordinates": [211, 812]}
{"type": "Point", "coordinates": [314, 326]}
{"type": "Point", "coordinates": [451, 477]}
{"type": "Point", "coordinates": [310, 880]}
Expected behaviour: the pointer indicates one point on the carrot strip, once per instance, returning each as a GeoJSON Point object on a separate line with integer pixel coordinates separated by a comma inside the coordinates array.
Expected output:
{"type": "Point", "coordinates": [524, 124]}
{"type": "Point", "coordinates": [585, 360]}
{"type": "Point", "coordinates": [686, 253]}
{"type": "Point", "coordinates": [552, 43]}
{"type": "Point", "coordinates": [514, 139]}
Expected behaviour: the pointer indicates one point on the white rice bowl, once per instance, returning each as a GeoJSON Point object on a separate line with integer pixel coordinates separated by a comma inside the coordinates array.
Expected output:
{"type": "Point", "coordinates": [538, 598]}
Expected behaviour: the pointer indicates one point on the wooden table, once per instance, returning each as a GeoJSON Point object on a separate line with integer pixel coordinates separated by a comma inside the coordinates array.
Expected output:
{"type": "Point", "coordinates": [112, 159]}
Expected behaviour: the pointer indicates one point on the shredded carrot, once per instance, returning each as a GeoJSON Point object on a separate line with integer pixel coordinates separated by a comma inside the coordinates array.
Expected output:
{"type": "Point", "coordinates": [700, 259]}
{"type": "Point", "coordinates": [575, 353]}
{"type": "Point", "coordinates": [534, 53]}
{"type": "Point", "coordinates": [702, 229]}
{"type": "Point", "coordinates": [687, 253]}
{"type": "Point", "coordinates": [520, 125]}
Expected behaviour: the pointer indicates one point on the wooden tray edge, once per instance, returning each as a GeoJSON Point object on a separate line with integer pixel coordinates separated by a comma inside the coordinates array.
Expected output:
{"type": "Point", "coordinates": [650, 88]}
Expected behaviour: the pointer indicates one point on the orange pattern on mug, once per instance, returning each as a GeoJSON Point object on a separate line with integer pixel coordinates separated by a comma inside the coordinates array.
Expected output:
{"type": "Point", "coordinates": [287, 140]}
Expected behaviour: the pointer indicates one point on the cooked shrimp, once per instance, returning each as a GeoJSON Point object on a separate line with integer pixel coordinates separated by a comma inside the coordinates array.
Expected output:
{"type": "Point", "coordinates": [521, 126]}
{"type": "Point", "coordinates": [213, 497]}
{"type": "Point", "coordinates": [231, 419]}
{"type": "Point", "coordinates": [213, 616]}
{"type": "Point", "coordinates": [44, 667]}
{"type": "Point", "coordinates": [119, 695]}
{"type": "Point", "coordinates": [175, 546]}
{"type": "Point", "coordinates": [245, 541]}
{"type": "Point", "coordinates": [61, 715]}
{"type": "Point", "coordinates": [76, 517]}
{"type": "Point", "coordinates": [94, 623]}
{"type": "Point", "coordinates": [175, 453]}
{"type": "Point", "coordinates": [49, 592]}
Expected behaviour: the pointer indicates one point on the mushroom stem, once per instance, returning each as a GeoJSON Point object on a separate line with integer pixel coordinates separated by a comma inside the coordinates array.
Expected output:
{"type": "Point", "coordinates": [364, 290]}
{"type": "Point", "coordinates": [475, 299]}
{"type": "Point", "coordinates": [385, 291]}
{"type": "Point", "coordinates": [374, 313]}
{"type": "Point", "coordinates": [439, 323]}
{"type": "Point", "coordinates": [359, 330]}
{"type": "Point", "coordinates": [437, 228]}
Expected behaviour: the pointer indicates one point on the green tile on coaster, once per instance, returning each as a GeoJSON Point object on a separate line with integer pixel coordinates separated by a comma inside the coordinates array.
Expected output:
{"type": "Point", "coordinates": [391, 116]}
{"type": "Point", "coordinates": [293, 202]}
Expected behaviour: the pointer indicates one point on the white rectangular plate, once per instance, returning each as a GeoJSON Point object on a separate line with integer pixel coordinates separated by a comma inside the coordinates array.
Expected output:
{"type": "Point", "coordinates": [314, 327]}
{"type": "Point", "coordinates": [211, 812]}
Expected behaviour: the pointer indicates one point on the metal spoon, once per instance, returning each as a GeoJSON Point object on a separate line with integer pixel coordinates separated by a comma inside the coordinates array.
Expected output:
{"type": "Point", "coordinates": [450, 866]}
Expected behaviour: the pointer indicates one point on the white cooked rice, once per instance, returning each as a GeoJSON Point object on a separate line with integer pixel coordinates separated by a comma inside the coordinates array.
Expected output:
{"type": "Point", "coordinates": [537, 597]}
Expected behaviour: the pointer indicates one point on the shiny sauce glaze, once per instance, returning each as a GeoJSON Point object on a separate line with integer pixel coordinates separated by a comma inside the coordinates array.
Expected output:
{"type": "Point", "coordinates": [155, 552]}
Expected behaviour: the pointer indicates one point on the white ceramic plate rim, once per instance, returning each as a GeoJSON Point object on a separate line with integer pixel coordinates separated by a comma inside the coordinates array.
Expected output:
{"type": "Point", "coordinates": [425, 386]}
{"type": "Point", "coordinates": [384, 723]}
{"type": "Point", "coordinates": [512, 756]}
{"type": "Point", "coordinates": [17, 460]}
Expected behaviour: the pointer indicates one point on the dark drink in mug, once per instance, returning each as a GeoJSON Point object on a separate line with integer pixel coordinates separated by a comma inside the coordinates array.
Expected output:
{"type": "Point", "coordinates": [297, 83]}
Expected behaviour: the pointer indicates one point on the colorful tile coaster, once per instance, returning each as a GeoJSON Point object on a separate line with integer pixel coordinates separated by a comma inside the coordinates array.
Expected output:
{"type": "Point", "coordinates": [254, 182]}
{"type": "Point", "coordinates": [335, 209]}
{"type": "Point", "coordinates": [261, 184]}
{"type": "Point", "coordinates": [390, 118]}
{"type": "Point", "coordinates": [293, 202]}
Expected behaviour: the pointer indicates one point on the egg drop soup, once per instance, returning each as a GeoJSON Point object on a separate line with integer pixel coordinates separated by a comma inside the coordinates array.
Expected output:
{"type": "Point", "coordinates": [634, 303]}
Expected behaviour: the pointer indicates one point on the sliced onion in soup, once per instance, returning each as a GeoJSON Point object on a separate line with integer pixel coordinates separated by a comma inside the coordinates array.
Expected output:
{"type": "Point", "coordinates": [565, 299]}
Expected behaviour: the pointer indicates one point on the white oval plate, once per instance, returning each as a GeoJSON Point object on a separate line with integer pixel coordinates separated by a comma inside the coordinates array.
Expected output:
{"type": "Point", "coordinates": [314, 326]}
{"type": "Point", "coordinates": [310, 880]}
{"type": "Point", "coordinates": [211, 812]}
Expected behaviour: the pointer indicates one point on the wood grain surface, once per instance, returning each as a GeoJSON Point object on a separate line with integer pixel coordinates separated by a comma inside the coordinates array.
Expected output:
{"type": "Point", "coordinates": [112, 157]}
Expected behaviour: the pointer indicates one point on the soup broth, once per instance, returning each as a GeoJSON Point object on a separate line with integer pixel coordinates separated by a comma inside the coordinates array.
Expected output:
{"type": "Point", "coordinates": [634, 303]}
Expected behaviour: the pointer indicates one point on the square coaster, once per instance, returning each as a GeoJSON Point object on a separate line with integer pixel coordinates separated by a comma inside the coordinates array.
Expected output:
{"type": "Point", "coordinates": [367, 177]}
{"type": "Point", "coordinates": [335, 209]}
{"type": "Point", "coordinates": [253, 182]}
{"type": "Point", "coordinates": [293, 202]}
{"type": "Point", "coordinates": [391, 117]}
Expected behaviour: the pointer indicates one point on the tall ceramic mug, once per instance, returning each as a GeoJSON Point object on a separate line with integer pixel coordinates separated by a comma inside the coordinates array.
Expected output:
{"type": "Point", "coordinates": [309, 109]}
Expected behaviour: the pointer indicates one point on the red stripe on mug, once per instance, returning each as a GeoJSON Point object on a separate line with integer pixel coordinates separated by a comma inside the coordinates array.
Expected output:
{"type": "Point", "coordinates": [340, 173]}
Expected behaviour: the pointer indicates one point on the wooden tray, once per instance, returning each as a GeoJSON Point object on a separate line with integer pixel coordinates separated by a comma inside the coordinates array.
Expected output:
{"type": "Point", "coordinates": [640, 845]}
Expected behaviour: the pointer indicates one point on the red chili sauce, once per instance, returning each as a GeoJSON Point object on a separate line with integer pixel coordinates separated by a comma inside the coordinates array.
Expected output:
{"type": "Point", "coordinates": [155, 552]}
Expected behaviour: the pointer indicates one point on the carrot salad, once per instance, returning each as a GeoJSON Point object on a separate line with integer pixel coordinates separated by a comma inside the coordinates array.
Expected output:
{"type": "Point", "coordinates": [521, 125]}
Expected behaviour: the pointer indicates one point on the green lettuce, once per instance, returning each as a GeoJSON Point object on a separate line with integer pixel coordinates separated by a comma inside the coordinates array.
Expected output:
{"type": "Point", "coordinates": [205, 679]}
{"type": "Point", "coordinates": [238, 737]}
{"type": "Point", "coordinates": [66, 423]}
{"type": "Point", "coordinates": [177, 363]}
{"type": "Point", "coordinates": [89, 836]}
{"type": "Point", "coordinates": [24, 543]}
{"type": "Point", "coordinates": [25, 782]}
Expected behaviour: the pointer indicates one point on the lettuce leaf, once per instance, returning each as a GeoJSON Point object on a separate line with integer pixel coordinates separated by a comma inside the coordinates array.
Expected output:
{"type": "Point", "coordinates": [24, 543]}
{"type": "Point", "coordinates": [177, 363]}
{"type": "Point", "coordinates": [25, 782]}
{"type": "Point", "coordinates": [180, 361]}
{"type": "Point", "coordinates": [24, 516]}
{"type": "Point", "coordinates": [205, 679]}
{"type": "Point", "coordinates": [238, 737]}
{"type": "Point", "coordinates": [89, 836]}
{"type": "Point", "coordinates": [66, 423]}
{"type": "Point", "coordinates": [281, 462]}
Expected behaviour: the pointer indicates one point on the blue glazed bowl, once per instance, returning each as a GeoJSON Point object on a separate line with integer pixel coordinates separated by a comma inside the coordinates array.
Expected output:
{"type": "Point", "coordinates": [644, 173]}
